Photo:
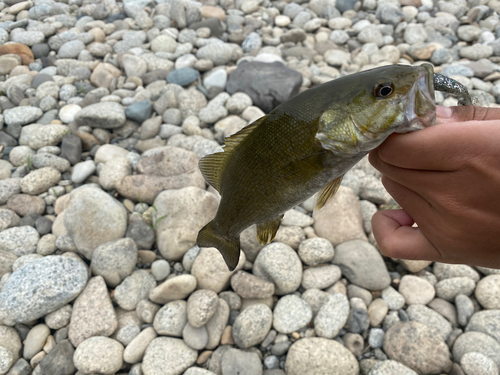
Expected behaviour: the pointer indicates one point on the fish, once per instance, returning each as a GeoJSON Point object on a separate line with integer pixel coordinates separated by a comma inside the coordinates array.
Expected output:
{"type": "Point", "coordinates": [306, 145]}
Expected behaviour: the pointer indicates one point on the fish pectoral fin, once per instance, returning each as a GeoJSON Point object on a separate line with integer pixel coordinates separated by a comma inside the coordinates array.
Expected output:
{"type": "Point", "coordinates": [230, 249]}
{"type": "Point", "coordinates": [212, 166]}
{"type": "Point", "coordinates": [327, 193]}
{"type": "Point", "coordinates": [267, 231]}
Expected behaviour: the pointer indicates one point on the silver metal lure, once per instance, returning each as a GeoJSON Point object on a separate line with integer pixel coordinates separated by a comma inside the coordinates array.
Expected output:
{"type": "Point", "coordinates": [449, 85]}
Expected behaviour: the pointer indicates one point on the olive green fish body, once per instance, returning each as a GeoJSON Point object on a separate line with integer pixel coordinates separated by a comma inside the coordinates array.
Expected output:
{"type": "Point", "coordinates": [307, 144]}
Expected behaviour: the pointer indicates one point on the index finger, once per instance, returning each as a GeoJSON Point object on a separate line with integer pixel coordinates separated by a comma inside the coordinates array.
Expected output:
{"type": "Point", "coordinates": [439, 147]}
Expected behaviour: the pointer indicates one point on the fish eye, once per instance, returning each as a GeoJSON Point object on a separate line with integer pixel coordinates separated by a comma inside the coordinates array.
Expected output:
{"type": "Point", "coordinates": [384, 90]}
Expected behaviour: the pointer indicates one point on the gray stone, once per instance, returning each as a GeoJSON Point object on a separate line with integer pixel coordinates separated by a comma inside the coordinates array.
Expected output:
{"type": "Point", "coordinates": [40, 287]}
{"type": "Point", "coordinates": [201, 306]}
{"type": "Point", "coordinates": [478, 364]}
{"type": "Point", "coordinates": [236, 361]}
{"type": "Point", "coordinates": [167, 356]}
{"type": "Point", "coordinates": [465, 309]}
{"type": "Point", "coordinates": [390, 367]}
{"type": "Point", "coordinates": [478, 342]}
{"type": "Point", "coordinates": [99, 355]}
{"type": "Point", "coordinates": [486, 321]}
{"type": "Point", "coordinates": [22, 115]}
{"type": "Point", "coordinates": [252, 325]}
{"type": "Point", "coordinates": [93, 218]}
{"type": "Point", "coordinates": [279, 264]}
{"type": "Point", "coordinates": [9, 187]}
{"type": "Point", "coordinates": [93, 313]}
{"type": "Point", "coordinates": [268, 84]}
{"type": "Point", "coordinates": [105, 115]}
{"type": "Point", "coordinates": [487, 292]}
{"type": "Point", "coordinates": [171, 319]}
{"type": "Point", "coordinates": [82, 171]}
{"type": "Point", "coordinates": [321, 277]}
{"type": "Point", "coordinates": [311, 356]}
{"type": "Point", "coordinates": [114, 260]}
{"type": "Point", "coordinates": [195, 337]}
{"type": "Point", "coordinates": [416, 290]}
{"type": "Point", "coordinates": [291, 314]}
{"type": "Point", "coordinates": [216, 325]}
{"type": "Point", "coordinates": [448, 289]}
{"type": "Point", "coordinates": [362, 264]}
{"type": "Point", "coordinates": [332, 316]}
{"type": "Point", "coordinates": [178, 287]}
{"type": "Point", "coordinates": [19, 240]}
{"type": "Point", "coordinates": [430, 318]}
{"type": "Point", "coordinates": [418, 347]}
{"type": "Point", "coordinates": [59, 361]}
{"type": "Point", "coordinates": [35, 340]}
{"type": "Point", "coordinates": [40, 180]}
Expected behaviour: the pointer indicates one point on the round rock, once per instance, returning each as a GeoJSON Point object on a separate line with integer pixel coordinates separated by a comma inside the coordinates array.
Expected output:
{"type": "Point", "coordinates": [312, 356]}
{"type": "Point", "coordinates": [252, 325]}
{"type": "Point", "coordinates": [416, 290]}
{"type": "Point", "coordinates": [417, 346]}
{"type": "Point", "coordinates": [40, 287]}
{"type": "Point", "coordinates": [332, 316]}
{"type": "Point", "coordinates": [314, 251]}
{"type": "Point", "coordinates": [168, 356]}
{"type": "Point", "coordinates": [488, 292]}
{"type": "Point", "coordinates": [171, 319]}
{"type": "Point", "coordinates": [279, 264]}
{"type": "Point", "coordinates": [114, 260]}
{"type": "Point", "coordinates": [478, 364]}
{"type": "Point", "coordinates": [291, 314]}
{"type": "Point", "coordinates": [99, 355]}
{"type": "Point", "coordinates": [201, 306]}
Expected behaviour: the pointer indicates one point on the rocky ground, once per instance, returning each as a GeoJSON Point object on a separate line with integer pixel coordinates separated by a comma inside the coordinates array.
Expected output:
{"type": "Point", "coordinates": [107, 108]}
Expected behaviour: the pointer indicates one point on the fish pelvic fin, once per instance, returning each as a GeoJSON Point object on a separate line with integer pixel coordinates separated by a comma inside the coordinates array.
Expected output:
{"type": "Point", "coordinates": [267, 231]}
{"type": "Point", "coordinates": [327, 193]}
{"type": "Point", "coordinates": [212, 166]}
{"type": "Point", "coordinates": [229, 248]}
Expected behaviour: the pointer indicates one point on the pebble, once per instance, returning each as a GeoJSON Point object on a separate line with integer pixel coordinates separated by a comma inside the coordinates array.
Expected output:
{"type": "Point", "coordinates": [390, 367]}
{"type": "Point", "coordinates": [93, 313]}
{"type": "Point", "coordinates": [320, 277]}
{"type": "Point", "coordinates": [35, 340]}
{"type": "Point", "coordinates": [314, 251]}
{"type": "Point", "coordinates": [332, 316]}
{"type": "Point", "coordinates": [487, 291]}
{"type": "Point", "coordinates": [252, 325]}
{"type": "Point", "coordinates": [362, 264]}
{"type": "Point", "coordinates": [171, 318]}
{"type": "Point", "coordinates": [178, 287]}
{"type": "Point", "coordinates": [291, 314]}
{"type": "Point", "coordinates": [418, 347]}
{"type": "Point", "coordinates": [431, 318]}
{"type": "Point", "coordinates": [235, 361]}
{"type": "Point", "coordinates": [315, 355]}
{"type": "Point", "coordinates": [114, 260]}
{"type": "Point", "coordinates": [416, 290]}
{"type": "Point", "coordinates": [133, 289]}
{"type": "Point", "coordinates": [41, 287]}
{"type": "Point", "coordinates": [134, 351]}
{"type": "Point", "coordinates": [90, 227]}
{"type": "Point", "coordinates": [477, 363]}
{"type": "Point", "coordinates": [249, 286]}
{"type": "Point", "coordinates": [168, 356]}
{"type": "Point", "coordinates": [279, 264]}
{"type": "Point", "coordinates": [448, 289]}
{"type": "Point", "coordinates": [201, 306]}
{"type": "Point", "coordinates": [99, 354]}
{"type": "Point", "coordinates": [485, 321]}
{"type": "Point", "coordinates": [476, 342]}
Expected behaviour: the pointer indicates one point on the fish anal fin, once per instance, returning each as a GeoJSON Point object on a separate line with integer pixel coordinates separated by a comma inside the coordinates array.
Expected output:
{"type": "Point", "coordinates": [267, 231]}
{"type": "Point", "coordinates": [212, 166]}
{"type": "Point", "coordinates": [229, 248]}
{"type": "Point", "coordinates": [327, 193]}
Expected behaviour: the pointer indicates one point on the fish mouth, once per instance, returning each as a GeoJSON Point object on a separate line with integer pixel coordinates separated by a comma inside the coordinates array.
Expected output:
{"type": "Point", "coordinates": [420, 111]}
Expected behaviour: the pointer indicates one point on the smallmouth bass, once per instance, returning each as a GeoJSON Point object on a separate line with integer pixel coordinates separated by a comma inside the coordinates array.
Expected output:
{"type": "Point", "coordinates": [307, 144]}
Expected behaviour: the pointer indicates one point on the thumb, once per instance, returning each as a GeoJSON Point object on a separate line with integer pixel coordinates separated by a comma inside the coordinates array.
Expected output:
{"type": "Point", "coordinates": [466, 113]}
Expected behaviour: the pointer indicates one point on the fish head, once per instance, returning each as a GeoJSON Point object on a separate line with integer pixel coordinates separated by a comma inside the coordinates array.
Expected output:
{"type": "Point", "coordinates": [380, 101]}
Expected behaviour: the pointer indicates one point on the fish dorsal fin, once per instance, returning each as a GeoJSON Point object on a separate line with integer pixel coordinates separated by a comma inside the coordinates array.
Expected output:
{"type": "Point", "coordinates": [267, 231]}
{"type": "Point", "coordinates": [327, 193]}
{"type": "Point", "coordinates": [211, 166]}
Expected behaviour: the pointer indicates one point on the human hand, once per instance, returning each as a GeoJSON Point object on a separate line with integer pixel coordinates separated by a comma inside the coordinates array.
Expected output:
{"type": "Point", "coordinates": [447, 180]}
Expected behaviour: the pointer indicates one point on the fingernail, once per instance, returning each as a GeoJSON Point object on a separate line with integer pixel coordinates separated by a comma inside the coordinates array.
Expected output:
{"type": "Point", "coordinates": [443, 112]}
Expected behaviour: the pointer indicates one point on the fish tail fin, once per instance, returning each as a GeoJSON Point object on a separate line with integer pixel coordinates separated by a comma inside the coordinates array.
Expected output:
{"type": "Point", "coordinates": [229, 248]}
